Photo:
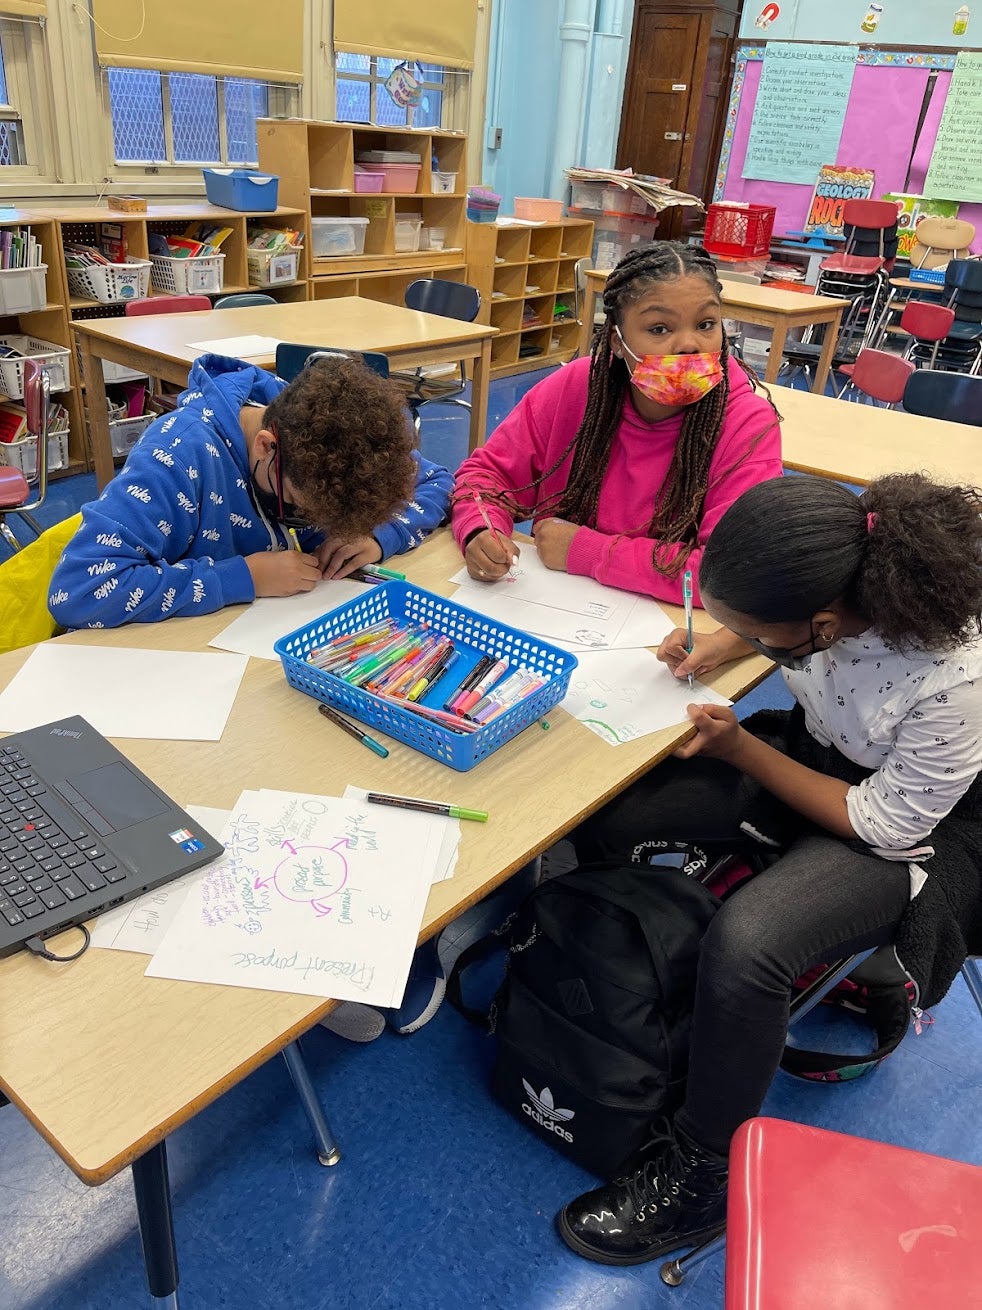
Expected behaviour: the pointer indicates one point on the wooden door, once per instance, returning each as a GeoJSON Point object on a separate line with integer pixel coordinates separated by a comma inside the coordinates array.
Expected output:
{"type": "Point", "coordinates": [675, 97]}
{"type": "Point", "coordinates": [657, 97]}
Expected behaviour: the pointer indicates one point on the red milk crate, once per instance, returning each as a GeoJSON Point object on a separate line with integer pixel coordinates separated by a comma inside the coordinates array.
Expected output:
{"type": "Point", "coordinates": [739, 230]}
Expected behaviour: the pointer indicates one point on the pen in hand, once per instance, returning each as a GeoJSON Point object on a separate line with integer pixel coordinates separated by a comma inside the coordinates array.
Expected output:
{"type": "Point", "coordinates": [498, 539]}
{"type": "Point", "coordinates": [687, 601]}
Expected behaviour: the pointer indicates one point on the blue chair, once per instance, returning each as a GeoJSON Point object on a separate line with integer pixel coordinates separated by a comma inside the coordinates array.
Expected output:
{"type": "Point", "coordinates": [244, 299]}
{"type": "Point", "coordinates": [449, 300]}
{"type": "Point", "coordinates": [956, 397]}
{"type": "Point", "coordinates": [291, 358]}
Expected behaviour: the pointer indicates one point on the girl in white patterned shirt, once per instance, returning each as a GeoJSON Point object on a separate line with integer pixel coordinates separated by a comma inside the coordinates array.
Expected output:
{"type": "Point", "coordinates": [868, 793]}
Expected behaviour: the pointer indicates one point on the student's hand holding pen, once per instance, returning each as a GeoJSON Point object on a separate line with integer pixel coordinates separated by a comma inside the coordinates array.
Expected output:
{"type": "Point", "coordinates": [709, 651]}
{"type": "Point", "coordinates": [339, 558]}
{"type": "Point", "coordinates": [283, 572]}
{"type": "Point", "coordinates": [489, 555]}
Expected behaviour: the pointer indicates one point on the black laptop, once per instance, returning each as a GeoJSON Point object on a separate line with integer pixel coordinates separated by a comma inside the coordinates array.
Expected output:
{"type": "Point", "coordinates": [81, 831]}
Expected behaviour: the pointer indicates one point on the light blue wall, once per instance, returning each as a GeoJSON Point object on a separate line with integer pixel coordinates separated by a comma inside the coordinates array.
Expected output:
{"type": "Point", "coordinates": [523, 88]}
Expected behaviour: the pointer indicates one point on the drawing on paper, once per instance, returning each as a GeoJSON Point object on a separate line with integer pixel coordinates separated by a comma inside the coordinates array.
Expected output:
{"type": "Point", "coordinates": [310, 874]}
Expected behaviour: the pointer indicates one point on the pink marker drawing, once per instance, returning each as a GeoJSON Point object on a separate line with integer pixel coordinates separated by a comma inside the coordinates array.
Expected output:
{"type": "Point", "coordinates": [309, 875]}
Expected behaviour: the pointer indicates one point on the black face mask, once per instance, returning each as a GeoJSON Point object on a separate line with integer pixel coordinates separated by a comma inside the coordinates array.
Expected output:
{"type": "Point", "coordinates": [788, 656]}
{"type": "Point", "coordinates": [272, 503]}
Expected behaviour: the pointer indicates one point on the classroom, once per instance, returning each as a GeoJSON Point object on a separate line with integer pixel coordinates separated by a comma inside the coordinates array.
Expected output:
{"type": "Point", "coordinates": [490, 606]}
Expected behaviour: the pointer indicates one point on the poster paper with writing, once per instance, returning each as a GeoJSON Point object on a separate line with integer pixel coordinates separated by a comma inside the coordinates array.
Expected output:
{"type": "Point", "coordinates": [799, 112]}
{"type": "Point", "coordinates": [956, 163]}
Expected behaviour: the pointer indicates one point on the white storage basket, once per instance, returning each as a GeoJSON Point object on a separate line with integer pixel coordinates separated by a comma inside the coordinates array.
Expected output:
{"type": "Point", "coordinates": [54, 358]}
{"type": "Point", "coordinates": [111, 283]}
{"type": "Point", "coordinates": [111, 372]}
{"type": "Point", "coordinates": [23, 454]}
{"type": "Point", "coordinates": [124, 433]}
{"type": "Point", "coordinates": [196, 275]}
{"type": "Point", "coordinates": [273, 268]}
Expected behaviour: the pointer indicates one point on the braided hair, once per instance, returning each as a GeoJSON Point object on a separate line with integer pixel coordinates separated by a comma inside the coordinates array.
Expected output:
{"type": "Point", "coordinates": [678, 503]}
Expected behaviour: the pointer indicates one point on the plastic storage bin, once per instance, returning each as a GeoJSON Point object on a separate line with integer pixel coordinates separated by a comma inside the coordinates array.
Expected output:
{"type": "Point", "coordinates": [23, 289]}
{"type": "Point", "coordinates": [23, 454]}
{"type": "Point", "coordinates": [931, 276]}
{"type": "Point", "coordinates": [538, 208]}
{"type": "Point", "coordinates": [369, 180]}
{"type": "Point", "coordinates": [443, 183]}
{"type": "Point", "coordinates": [110, 283]}
{"type": "Point", "coordinates": [124, 433]}
{"type": "Point", "coordinates": [432, 238]}
{"type": "Point", "coordinates": [601, 197]}
{"type": "Point", "coordinates": [407, 235]}
{"type": "Point", "coordinates": [194, 275]}
{"type": "Point", "coordinates": [273, 268]}
{"type": "Point", "coordinates": [241, 188]}
{"type": "Point", "coordinates": [111, 372]}
{"type": "Point", "coordinates": [482, 215]}
{"type": "Point", "coordinates": [473, 635]}
{"type": "Point", "coordinates": [331, 238]}
{"type": "Point", "coordinates": [54, 358]}
{"type": "Point", "coordinates": [399, 168]}
{"type": "Point", "coordinates": [739, 230]}
{"type": "Point", "coordinates": [614, 235]}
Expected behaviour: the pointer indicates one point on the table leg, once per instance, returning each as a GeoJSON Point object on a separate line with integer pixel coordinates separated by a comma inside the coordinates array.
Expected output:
{"type": "Point", "coordinates": [779, 333]}
{"type": "Point", "coordinates": [328, 1152]}
{"type": "Point", "coordinates": [479, 396]}
{"type": "Point", "coordinates": [95, 402]}
{"type": "Point", "coordinates": [825, 358]}
{"type": "Point", "coordinates": [589, 309]}
{"type": "Point", "coordinates": [152, 1187]}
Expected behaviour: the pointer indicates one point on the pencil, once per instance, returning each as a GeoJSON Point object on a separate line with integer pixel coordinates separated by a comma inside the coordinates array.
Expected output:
{"type": "Point", "coordinates": [687, 600]}
{"type": "Point", "coordinates": [295, 539]}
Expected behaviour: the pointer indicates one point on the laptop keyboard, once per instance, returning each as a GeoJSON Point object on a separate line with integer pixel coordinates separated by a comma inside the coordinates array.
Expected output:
{"type": "Point", "coordinates": [44, 864]}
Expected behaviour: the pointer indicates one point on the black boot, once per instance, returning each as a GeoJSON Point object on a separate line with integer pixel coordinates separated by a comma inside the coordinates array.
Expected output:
{"type": "Point", "coordinates": [676, 1198]}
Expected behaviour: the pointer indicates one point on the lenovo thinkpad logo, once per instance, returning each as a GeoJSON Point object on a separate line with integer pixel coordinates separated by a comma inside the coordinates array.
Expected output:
{"type": "Point", "coordinates": [546, 1113]}
{"type": "Point", "coordinates": [65, 732]}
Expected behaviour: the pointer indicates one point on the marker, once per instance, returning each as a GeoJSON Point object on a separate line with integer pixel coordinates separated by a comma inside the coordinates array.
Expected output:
{"type": "Point", "coordinates": [476, 673]}
{"type": "Point", "coordinates": [369, 571]}
{"type": "Point", "coordinates": [687, 601]}
{"type": "Point", "coordinates": [292, 533]}
{"type": "Point", "coordinates": [429, 676]}
{"type": "Point", "coordinates": [353, 730]}
{"type": "Point", "coordinates": [481, 688]}
{"type": "Point", "coordinates": [428, 807]}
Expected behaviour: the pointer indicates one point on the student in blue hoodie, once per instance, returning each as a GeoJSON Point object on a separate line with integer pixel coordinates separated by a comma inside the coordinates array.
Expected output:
{"type": "Point", "coordinates": [201, 515]}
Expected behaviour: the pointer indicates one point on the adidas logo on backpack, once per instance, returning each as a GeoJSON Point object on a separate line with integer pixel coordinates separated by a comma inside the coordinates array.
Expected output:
{"type": "Point", "coordinates": [546, 1113]}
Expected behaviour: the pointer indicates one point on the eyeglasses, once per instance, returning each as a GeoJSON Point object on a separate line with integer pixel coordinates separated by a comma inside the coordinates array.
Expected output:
{"type": "Point", "coordinates": [286, 512]}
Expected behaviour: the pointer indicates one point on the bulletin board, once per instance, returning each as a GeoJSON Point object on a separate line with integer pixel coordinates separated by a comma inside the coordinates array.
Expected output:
{"type": "Point", "coordinates": [886, 128]}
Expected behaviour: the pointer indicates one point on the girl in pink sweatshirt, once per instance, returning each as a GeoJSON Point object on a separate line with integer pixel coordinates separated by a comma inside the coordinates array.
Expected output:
{"type": "Point", "coordinates": [626, 460]}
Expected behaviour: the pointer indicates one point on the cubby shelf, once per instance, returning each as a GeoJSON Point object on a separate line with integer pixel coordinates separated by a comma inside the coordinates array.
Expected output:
{"type": "Point", "coordinates": [504, 262]}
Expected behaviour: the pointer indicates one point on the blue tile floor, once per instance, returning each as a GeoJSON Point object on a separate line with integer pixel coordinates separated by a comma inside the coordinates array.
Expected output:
{"type": "Point", "coordinates": [441, 1201]}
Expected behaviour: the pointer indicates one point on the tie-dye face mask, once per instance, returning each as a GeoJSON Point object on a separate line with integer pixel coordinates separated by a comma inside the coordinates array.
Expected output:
{"type": "Point", "coordinates": [675, 379]}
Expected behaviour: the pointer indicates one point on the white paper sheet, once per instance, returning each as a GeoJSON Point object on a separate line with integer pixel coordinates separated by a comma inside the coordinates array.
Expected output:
{"type": "Point", "coordinates": [163, 694]}
{"type": "Point", "coordinates": [579, 614]}
{"type": "Point", "coordinates": [624, 694]}
{"type": "Point", "coordinates": [249, 347]}
{"type": "Point", "coordinates": [272, 617]}
{"type": "Point", "coordinates": [442, 847]}
{"type": "Point", "coordinates": [140, 925]}
{"type": "Point", "coordinates": [315, 895]}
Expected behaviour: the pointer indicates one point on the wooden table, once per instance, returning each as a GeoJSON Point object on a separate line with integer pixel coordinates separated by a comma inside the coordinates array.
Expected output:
{"type": "Point", "coordinates": [778, 310]}
{"type": "Point", "coordinates": [105, 1062]}
{"type": "Point", "coordinates": [158, 345]}
{"type": "Point", "coordinates": [857, 443]}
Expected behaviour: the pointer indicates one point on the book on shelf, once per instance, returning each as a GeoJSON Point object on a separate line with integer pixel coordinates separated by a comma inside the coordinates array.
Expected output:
{"type": "Point", "coordinates": [19, 248]}
{"type": "Point", "coordinates": [13, 422]}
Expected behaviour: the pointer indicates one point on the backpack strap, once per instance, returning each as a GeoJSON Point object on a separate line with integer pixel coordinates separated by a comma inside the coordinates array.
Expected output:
{"type": "Point", "coordinates": [480, 950]}
{"type": "Point", "coordinates": [888, 1009]}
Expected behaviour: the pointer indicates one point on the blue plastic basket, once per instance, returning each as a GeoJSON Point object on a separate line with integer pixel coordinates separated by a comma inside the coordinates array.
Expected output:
{"type": "Point", "coordinates": [935, 276]}
{"type": "Point", "coordinates": [244, 189]}
{"type": "Point", "coordinates": [473, 635]}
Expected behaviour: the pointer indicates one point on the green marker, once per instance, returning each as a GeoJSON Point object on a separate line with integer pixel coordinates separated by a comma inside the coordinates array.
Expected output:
{"type": "Point", "coordinates": [384, 573]}
{"type": "Point", "coordinates": [428, 807]}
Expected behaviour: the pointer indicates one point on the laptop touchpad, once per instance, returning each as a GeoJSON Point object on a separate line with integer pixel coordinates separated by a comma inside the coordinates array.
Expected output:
{"type": "Point", "coordinates": [117, 795]}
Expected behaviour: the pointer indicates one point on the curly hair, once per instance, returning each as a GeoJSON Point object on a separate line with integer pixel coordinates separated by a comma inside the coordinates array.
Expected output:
{"type": "Point", "coordinates": [346, 445]}
{"type": "Point", "coordinates": [906, 555]}
{"type": "Point", "coordinates": [678, 502]}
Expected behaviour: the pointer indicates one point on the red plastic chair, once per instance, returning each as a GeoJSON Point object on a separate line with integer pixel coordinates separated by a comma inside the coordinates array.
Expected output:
{"type": "Point", "coordinates": [166, 305]}
{"type": "Point", "coordinates": [926, 324]}
{"type": "Point", "coordinates": [19, 494]}
{"type": "Point", "coordinates": [818, 1220]}
{"type": "Point", "coordinates": [878, 374]}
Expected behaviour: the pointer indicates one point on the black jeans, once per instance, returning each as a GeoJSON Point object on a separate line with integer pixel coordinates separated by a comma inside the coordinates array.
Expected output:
{"type": "Point", "coordinates": [818, 902]}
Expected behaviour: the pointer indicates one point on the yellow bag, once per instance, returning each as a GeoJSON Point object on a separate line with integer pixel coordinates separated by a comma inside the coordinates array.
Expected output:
{"type": "Point", "coordinates": [24, 579]}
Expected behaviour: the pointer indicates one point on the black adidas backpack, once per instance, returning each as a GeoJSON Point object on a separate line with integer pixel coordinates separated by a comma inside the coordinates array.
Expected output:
{"type": "Point", "coordinates": [592, 1019]}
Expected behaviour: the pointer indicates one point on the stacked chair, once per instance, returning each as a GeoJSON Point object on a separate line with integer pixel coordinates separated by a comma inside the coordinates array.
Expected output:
{"type": "Point", "coordinates": [860, 276]}
{"type": "Point", "coordinates": [960, 351]}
